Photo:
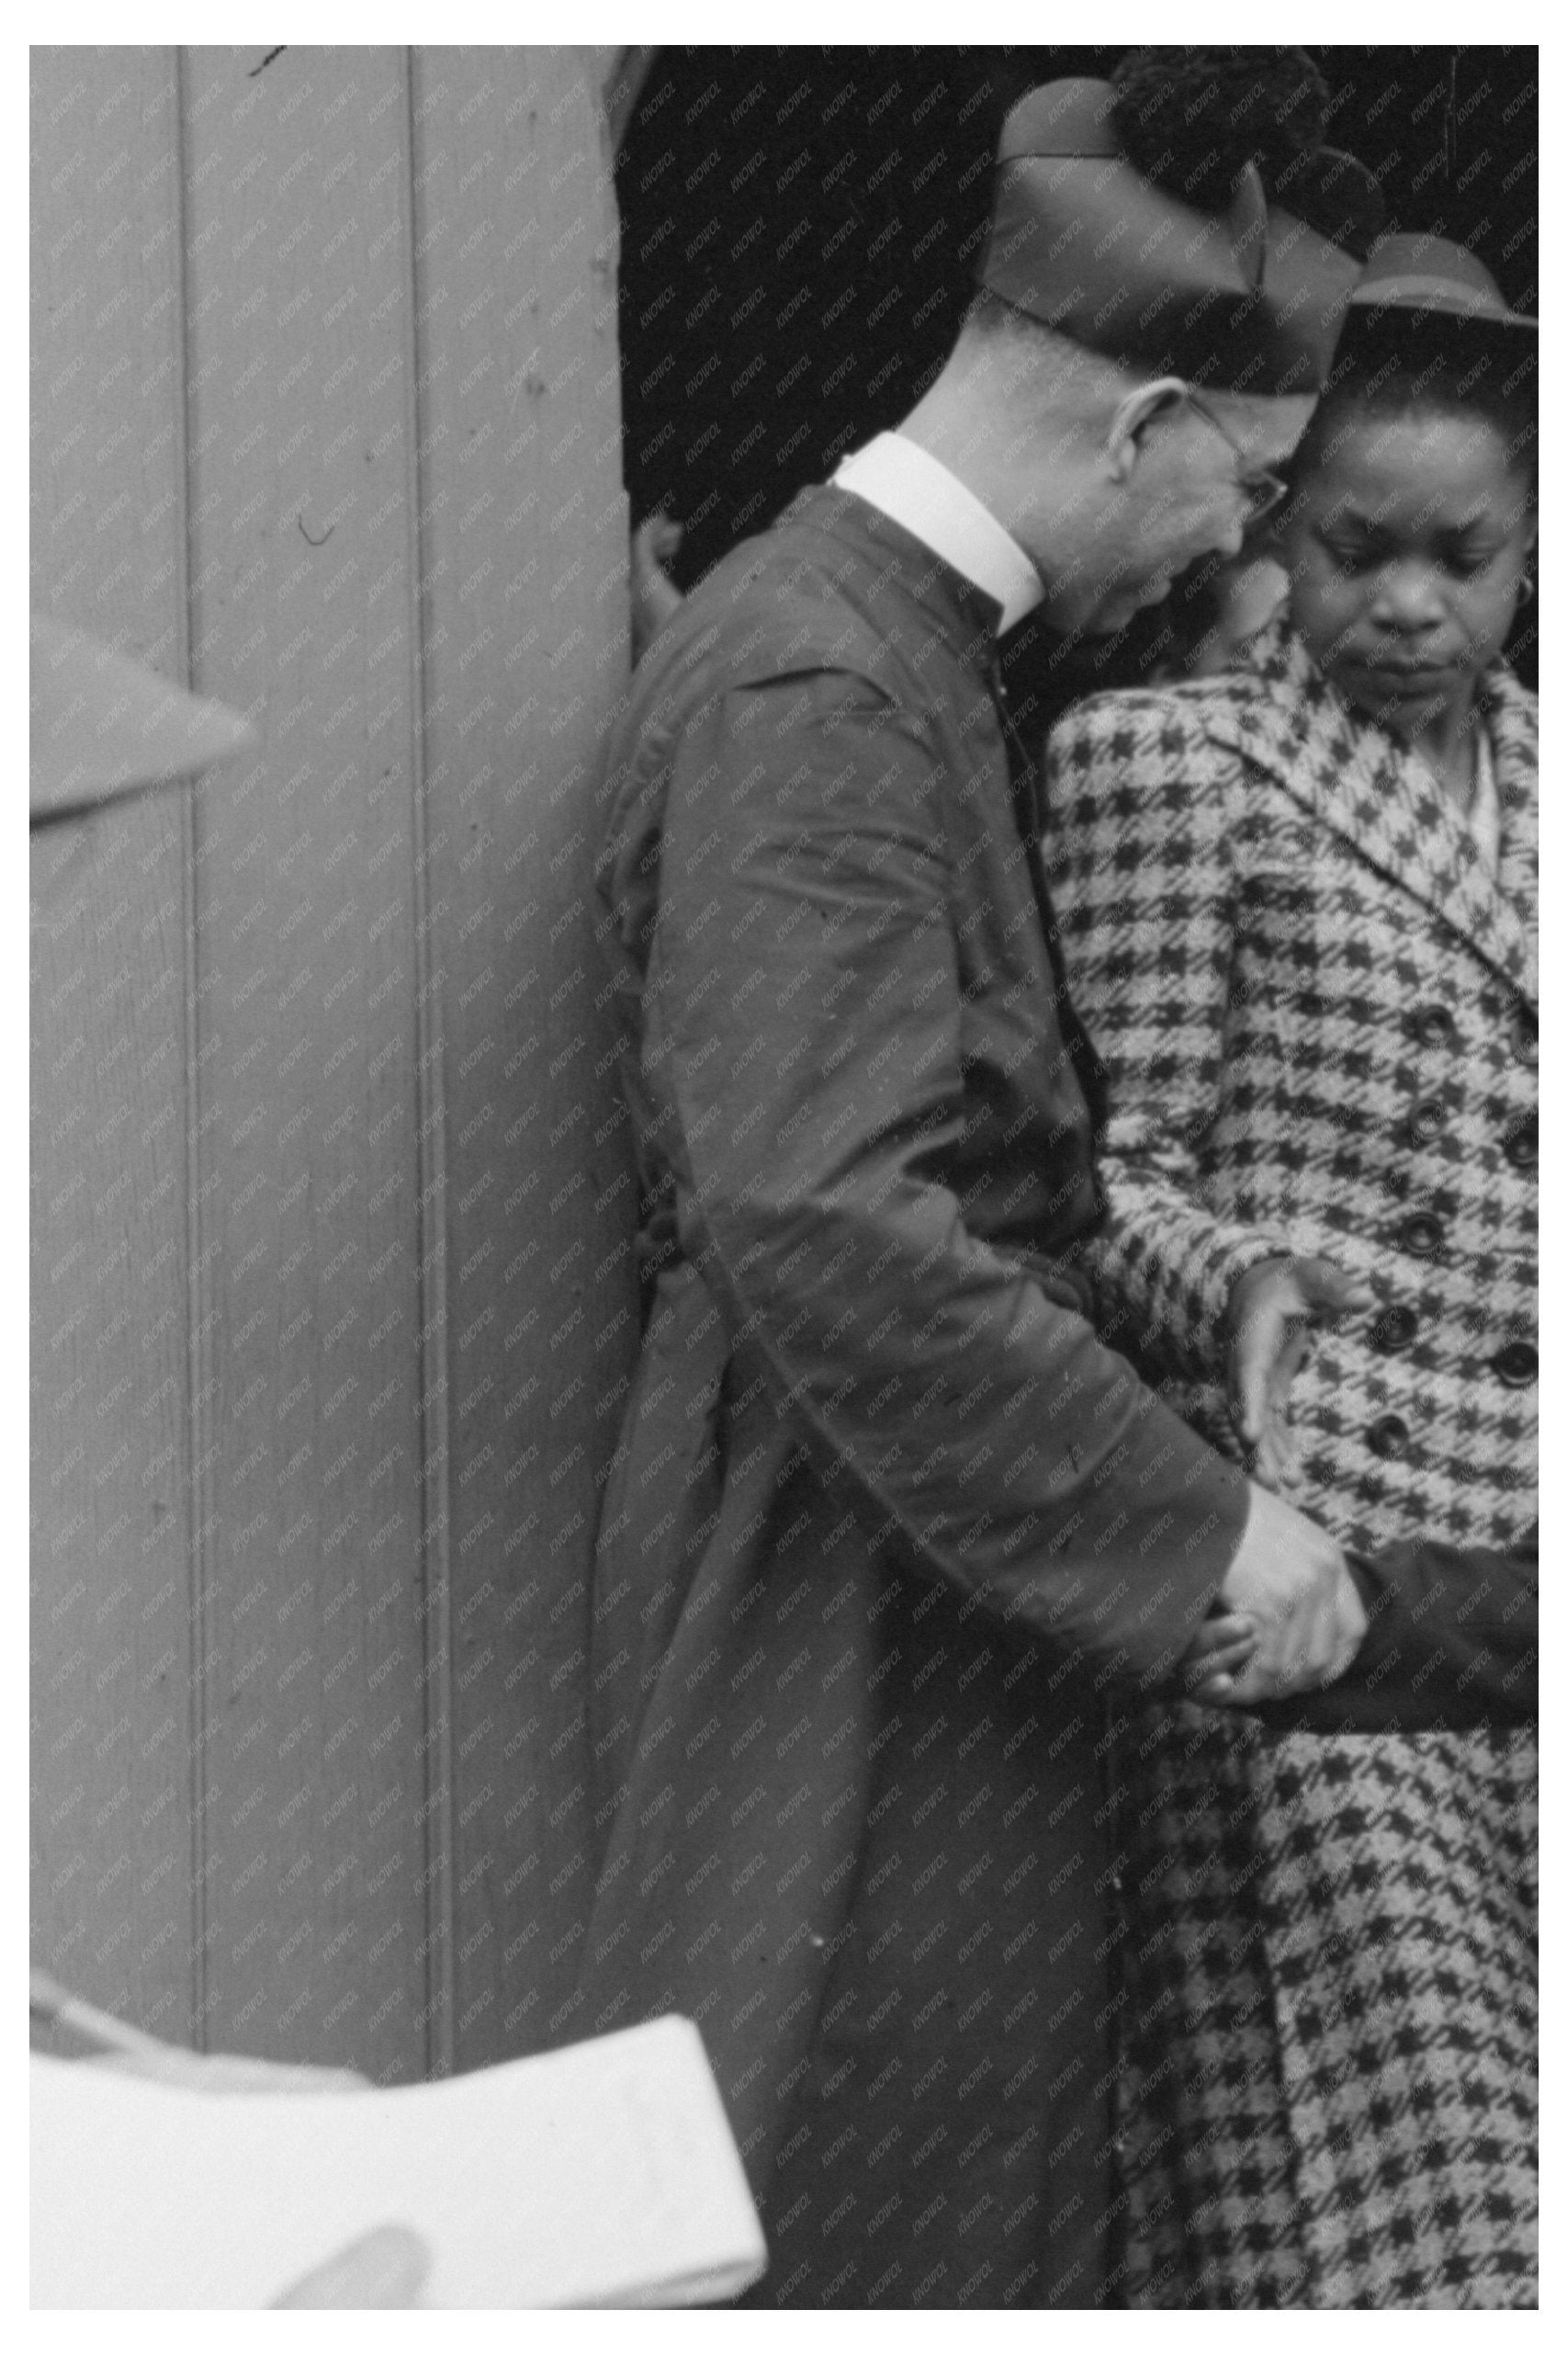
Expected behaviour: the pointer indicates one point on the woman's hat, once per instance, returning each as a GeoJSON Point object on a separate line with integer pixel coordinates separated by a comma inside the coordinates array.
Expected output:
{"type": "Point", "coordinates": [1422, 273]}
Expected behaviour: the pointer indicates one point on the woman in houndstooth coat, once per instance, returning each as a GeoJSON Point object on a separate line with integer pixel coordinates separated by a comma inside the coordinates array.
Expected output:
{"type": "Point", "coordinates": [1299, 924]}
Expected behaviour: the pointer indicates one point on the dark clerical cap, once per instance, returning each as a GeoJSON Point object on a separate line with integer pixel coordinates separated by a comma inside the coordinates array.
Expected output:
{"type": "Point", "coordinates": [1248, 301]}
{"type": "Point", "coordinates": [102, 725]}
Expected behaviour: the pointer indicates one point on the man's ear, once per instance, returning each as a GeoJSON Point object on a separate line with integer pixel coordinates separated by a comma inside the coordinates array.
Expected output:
{"type": "Point", "coordinates": [1137, 409]}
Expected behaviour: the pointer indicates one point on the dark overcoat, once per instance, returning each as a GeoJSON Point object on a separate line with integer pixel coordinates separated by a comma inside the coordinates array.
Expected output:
{"type": "Point", "coordinates": [885, 1516]}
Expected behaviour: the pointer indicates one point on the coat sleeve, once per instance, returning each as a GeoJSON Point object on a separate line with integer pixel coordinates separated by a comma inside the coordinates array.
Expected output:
{"type": "Point", "coordinates": [1450, 1641]}
{"type": "Point", "coordinates": [802, 1018]}
{"type": "Point", "coordinates": [1139, 848]}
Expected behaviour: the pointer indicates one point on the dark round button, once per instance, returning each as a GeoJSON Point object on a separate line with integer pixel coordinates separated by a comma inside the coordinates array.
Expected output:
{"type": "Point", "coordinates": [1422, 1233]}
{"type": "Point", "coordinates": [1524, 1034]}
{"type": "Point", "coordinates": [1517, 1364]}
{"type": "Point", "coordinates": [1395, 1328]}
{"type": "Point", "coordinates": [1433, 1027]}
{"type": "Point", "coordinates": [1389, 1437]}
{"type": "Point", "coordinates": [1426, 1121]}
{"type": "Point", "coordinates": [1522, 1142]}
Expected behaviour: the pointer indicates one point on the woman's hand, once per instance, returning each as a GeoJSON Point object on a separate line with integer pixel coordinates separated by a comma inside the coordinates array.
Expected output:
{"type": "Point", "coordinates": [1219, 1653]}
{"type": "Point", "coordinates": [1273, 1311]}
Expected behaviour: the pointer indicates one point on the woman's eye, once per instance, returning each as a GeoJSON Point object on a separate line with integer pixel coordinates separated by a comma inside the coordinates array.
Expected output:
{"type": "Point", "coordinates": [1466, 562]}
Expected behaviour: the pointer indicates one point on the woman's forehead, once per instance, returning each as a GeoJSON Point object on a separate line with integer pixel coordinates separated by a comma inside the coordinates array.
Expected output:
{"type": "Point", "coordinates": [1449, 456]}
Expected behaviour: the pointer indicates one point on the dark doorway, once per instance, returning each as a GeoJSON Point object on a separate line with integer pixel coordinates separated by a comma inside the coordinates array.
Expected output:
{"type": "Point", "coordinates": [799, 229]}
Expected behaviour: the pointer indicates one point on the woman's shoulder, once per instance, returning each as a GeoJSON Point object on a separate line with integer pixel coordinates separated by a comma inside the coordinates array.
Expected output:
{"type": "Point", "coordinates": [1177, 712]}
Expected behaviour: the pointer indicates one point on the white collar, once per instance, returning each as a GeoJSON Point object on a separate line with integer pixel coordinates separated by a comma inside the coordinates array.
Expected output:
{"type": "Point", "coordinates": [917, 491]}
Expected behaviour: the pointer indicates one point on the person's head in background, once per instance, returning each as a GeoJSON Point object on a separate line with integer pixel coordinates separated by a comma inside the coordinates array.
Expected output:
{"type": "Point", "coordinates": [1410, 531]}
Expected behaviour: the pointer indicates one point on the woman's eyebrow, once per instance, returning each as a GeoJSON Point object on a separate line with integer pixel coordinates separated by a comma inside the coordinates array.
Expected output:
{"type": "Point", "coordinates": [1345, 517]}
{"type": "Point", "coordinates": [1483, 516]}
{"type": "Point", "coordinates": [1374, 525]}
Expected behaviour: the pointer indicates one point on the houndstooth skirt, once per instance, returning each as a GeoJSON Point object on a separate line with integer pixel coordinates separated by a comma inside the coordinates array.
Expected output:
{"type": "Point", "coordinates": [1329, 2015]}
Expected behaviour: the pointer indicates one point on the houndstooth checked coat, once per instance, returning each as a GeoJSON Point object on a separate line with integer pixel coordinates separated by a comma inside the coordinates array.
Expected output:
{"type": "Point", "coordinates": [1317, 1011]}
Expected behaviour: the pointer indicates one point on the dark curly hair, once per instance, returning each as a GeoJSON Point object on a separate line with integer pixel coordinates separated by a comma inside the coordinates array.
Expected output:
{"type": "Point", "coordinates": [1192, 118]}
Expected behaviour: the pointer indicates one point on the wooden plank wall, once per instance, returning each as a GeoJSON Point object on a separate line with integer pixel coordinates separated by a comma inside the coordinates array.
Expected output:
{"type": "Point", "coordinates": [376, 411]}
{"type": "Point", "coordinates": [522, 556]}
{"type": "Point", "coordinates": [110, 1388]}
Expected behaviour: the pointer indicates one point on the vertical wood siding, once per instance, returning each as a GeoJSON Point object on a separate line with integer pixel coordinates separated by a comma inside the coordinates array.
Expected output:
{"type": "Point", "coordinates": [110, 1623]}
{"type": "Point", "coordinates": [523, 540]}
{"type": "Point", "coordinates": [335, 1178]}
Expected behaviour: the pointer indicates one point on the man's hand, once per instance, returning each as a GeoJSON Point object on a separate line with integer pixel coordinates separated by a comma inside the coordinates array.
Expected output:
{"type": "Point", "coordinates": [1290, 1580]}
{"type": "Point", "coordinates": [655, 598]}
{"type": "Point", "coordinates": [1269, 1324]}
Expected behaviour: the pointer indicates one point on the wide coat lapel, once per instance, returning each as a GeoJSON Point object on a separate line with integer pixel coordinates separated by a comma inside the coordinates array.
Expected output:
{"type": "Point", "coordinates": [1512, 716]}
{"type": "Point", "coordinates": [1384, 801]}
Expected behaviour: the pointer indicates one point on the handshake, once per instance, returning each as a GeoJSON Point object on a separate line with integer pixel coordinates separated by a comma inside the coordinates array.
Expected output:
{"type": "Point", "coordinates": [1289, 1616]}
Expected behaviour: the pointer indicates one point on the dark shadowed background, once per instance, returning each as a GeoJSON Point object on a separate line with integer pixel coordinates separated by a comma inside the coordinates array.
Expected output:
{"type": "Point", "coordinates": [799, 228]}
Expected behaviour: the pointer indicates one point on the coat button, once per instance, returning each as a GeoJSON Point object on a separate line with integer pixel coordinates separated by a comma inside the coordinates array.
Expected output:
{"type": "Point", "coordinates": [1524, 1034]}
{"type": "Point", "coordinates": [1395, 1328]}
{"type": "Point", "coordinates": [1426, 1121]}
{"type": "Point", "coordinates": [1422, 1233]}
{"type": "Point", "coordinates": [1517, 1364]}
{"type": "Point", "coordinates": [1521, 1144]}
{"type": "Point", "coordinates": [1433, 1027]}
{"type": "Point", "coordinates": [1389, 1437]}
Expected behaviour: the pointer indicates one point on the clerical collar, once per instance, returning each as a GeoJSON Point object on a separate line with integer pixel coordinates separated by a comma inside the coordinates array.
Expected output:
{"type": "Point", "coordinates": [918, 492]}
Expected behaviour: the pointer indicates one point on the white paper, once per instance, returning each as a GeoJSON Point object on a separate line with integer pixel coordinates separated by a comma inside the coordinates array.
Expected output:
{"type": "Point", "coordinates": [603, 2175]}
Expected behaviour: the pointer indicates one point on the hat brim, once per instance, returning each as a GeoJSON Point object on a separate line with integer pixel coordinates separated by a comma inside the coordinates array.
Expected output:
{"type": "Point", "coordinates": [104, 726]}
{"type": "Point", "coordinates": [1417, 293]}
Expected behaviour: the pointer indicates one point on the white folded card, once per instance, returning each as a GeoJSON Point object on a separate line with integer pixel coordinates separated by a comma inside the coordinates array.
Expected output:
{"type": "Point", "coordinates": [603, 2175]}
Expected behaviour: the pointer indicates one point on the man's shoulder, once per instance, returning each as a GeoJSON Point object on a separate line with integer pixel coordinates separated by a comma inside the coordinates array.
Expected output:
{"type": "Point", "coordinates": [817, 592]}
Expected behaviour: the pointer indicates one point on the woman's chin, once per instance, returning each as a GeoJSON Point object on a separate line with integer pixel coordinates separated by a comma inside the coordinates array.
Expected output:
{"type": "Point", "coordinates": [1399, 701]}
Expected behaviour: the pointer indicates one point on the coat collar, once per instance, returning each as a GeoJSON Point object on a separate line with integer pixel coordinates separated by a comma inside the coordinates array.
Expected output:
{"type": "Point", "coordinates": [905, 482]}
{"type": "Point", "coordinates": [1383, 799]}
{"type": "Point", "coordinates": [969, 617]}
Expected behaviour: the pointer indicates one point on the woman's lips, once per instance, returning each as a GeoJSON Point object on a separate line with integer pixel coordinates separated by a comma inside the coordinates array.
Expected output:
{"type": "Point", "coordinates": [1403, 675]}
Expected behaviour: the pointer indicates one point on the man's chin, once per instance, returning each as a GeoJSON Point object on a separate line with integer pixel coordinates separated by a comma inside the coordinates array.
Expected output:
{"type": "Point", "coordinates": [1124, 604]}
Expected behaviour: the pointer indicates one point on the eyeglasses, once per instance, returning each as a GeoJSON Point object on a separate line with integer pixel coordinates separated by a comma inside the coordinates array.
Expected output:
{"type": "Point", "coordinates": [1264, 491]}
